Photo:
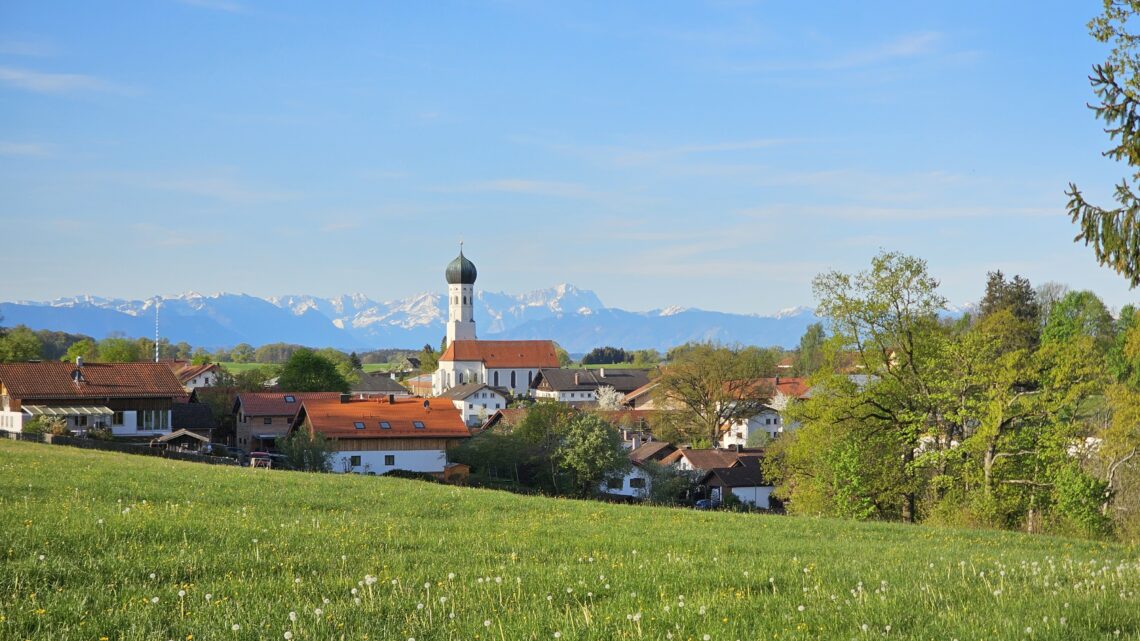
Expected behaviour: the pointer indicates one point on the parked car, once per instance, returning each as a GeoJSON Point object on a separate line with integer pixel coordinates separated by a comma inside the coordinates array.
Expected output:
{"type": "Point", "coordinates": [269, 460]}
{"type": "Point", "coordinates": [706, 504]}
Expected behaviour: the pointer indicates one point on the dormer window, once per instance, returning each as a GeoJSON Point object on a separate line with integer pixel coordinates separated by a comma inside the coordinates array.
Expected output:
{"type": "Point", "coordinates": [419, 425]}
{"type": "Point", "coordinates": [290, 399]}
{"type": "Point", "coordinates": [358, 425]}
{"type": "Point", "coordinates": [385, 425]}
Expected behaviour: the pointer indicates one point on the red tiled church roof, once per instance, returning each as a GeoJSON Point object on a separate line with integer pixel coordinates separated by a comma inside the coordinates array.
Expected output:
{"type": "Point", "coordinates": [503, 354]}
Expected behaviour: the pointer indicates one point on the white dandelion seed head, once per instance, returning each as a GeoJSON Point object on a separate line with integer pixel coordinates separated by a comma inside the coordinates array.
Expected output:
{"type": "Point", "coordinates": [154, 599]}
{"type": "Point", "coordinates": [486, 623]}
{"type": "Point", "coordinates": [318, 612]}
{"type": "Point", "coordinates": [292, 616]}
{"type": "Point", "coordinates": [235, 627]}
{"type": "Point", "coordinates": [288, 635]}
{"type": "Point", "coordinates": [800, 608]}
{"type": "Point", "coordinates": [450, 576]}
{"type": "Point", "coordinates": [209, 596]}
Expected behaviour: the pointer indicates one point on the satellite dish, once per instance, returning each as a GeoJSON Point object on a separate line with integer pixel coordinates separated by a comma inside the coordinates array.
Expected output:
{"type": "Point", "coordinates": [427, 404]}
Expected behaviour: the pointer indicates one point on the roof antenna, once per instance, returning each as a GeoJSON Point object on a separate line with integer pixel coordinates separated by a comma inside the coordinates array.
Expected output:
{"type": "Point", "coordinates": [156, 304]}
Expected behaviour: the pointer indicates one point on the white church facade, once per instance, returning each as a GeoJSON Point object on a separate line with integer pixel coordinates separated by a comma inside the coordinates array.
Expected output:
{"type": "Point", "coordinates": [508, 365]}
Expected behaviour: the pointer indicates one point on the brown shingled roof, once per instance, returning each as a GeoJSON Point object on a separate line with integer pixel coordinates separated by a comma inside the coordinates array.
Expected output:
{"type": "Point", "coordinates": [704, 459]}
{"type": "Point", "coordinates": [503, 354]}
{"type": "Point", "coordinates": [54, 380]}
{"type": "Point", "coordinates": [276, 403]}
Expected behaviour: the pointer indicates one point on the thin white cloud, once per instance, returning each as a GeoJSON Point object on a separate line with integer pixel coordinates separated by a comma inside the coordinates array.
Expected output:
{"type": "Point", "coordinates": [217, 186]}
{"type": "Point", "coordinates": [31, 149]}
{"type": "Point", "coordinates": [28, 48]}
{"type": "Point", "coordinates": [55, 83]}
{"type": "Point", "coordinates": [216, 5]}
{"type": "Point", "coordinates": [535, 187]}
{"type": "Point", "coordinates": [906, 47]}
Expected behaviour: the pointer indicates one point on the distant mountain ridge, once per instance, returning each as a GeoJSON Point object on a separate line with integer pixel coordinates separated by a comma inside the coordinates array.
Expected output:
{"type": "Point", "coordinates": [575, 318]}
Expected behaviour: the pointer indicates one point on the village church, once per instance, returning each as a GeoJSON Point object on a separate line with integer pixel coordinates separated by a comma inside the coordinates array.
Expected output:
{"type": "Point", "coordinates": [509, 365]}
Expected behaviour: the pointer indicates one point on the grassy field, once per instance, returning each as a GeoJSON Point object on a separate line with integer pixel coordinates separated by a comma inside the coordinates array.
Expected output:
{"type": "Point", "coordinates": [108, 546]}
{"type": "Point", "coordinates": [236, 368]}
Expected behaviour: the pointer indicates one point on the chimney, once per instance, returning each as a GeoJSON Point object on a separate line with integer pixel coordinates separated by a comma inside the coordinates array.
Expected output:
{"type": "Point", "coordinates": [79, 362]}
{"type": "Point", "coordinates": [602, 372]}
{"type": "Point", "coordinates": [391, 399]}
{"type": "Point", "coordinates": [777, 381]}
{"type": "Point", "coordinates": [344, 398]}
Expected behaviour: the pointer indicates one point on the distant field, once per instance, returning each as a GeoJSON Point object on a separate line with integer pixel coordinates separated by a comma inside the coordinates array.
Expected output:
{"type": "Point", "coordinates": [108, 546]}
{"type": "Point", "coordinates": [235, 368]}
{"type": "Point", "coordinates": [617, 366]}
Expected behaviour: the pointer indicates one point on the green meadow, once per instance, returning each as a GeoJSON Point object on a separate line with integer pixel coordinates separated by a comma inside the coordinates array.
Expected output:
{"type": "Point", "coordinates": [108, 546]}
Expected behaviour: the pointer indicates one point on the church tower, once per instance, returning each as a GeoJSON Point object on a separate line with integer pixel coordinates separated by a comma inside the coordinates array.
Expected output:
{"type": "Point", "coordinates": [460, 276]}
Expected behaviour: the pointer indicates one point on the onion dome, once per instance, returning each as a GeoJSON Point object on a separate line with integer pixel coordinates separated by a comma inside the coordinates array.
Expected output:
{"type": "Point", "coordinates": [460, 271]}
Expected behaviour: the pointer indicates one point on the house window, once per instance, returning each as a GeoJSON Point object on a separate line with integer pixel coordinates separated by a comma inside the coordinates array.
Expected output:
{"type": "Point", "coordinates": [529, 378]}
{"type": "Point", "coordinates": [385, 425]}
{"type": "Point", "coordinates": [117, 418]}
{"type": "Point", "coordinates": [389, 459]}
{"type": "Point", "coordinates": [354, 461]}
{"type": "Point", "coordinates": [80, 421]}
{"type": "Point", "coordinates": [614, 484]}
{"type": "Point", "coordinates": [637, 484]}
{"type": "Point", "coordinates": [290, 399]}
{"type": "Point", "coordinates": [512, 379]}
{"type": "Point", "coordinates": [358, 425]}
{"type": "Point", "coordinates": [496, 406]}
{"type": "Point", "coordinates": [419, 425]}
{"type": "Point", "coordinates": [268, 420]}
{"type": "Point", "coordinates": [496, 379]}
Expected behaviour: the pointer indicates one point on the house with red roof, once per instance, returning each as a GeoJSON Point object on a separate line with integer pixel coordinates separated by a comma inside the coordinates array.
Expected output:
{"type": "Point", "coordinates": [194, 376]}
{"type": "Point", "coordinates": [770, 420]}
{"type": "Point", "coordinates": [132, 399]}
{"type": "Point", "coordinates": [379, 435]}
{"type": "Point", "coordinates": [260, 418]}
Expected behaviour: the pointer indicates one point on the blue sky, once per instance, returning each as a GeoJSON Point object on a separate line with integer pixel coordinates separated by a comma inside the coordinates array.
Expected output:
{"type": "Point", "coordinates": [714, 155]}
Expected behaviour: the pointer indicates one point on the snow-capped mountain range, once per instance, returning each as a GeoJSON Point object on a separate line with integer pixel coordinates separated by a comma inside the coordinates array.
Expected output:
{"type": "Point", "coordinates": [573, 317]}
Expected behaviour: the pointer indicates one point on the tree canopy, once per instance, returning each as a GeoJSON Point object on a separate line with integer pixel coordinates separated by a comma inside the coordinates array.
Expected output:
{"type": "Point", "coordinates": [1114, 232]}
{"type": "Point", "coordinates": [308, 371]}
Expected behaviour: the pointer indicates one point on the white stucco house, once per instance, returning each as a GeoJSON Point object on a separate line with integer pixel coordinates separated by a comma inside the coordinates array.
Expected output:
{"type": "Point", "coordinates": [476, 402]}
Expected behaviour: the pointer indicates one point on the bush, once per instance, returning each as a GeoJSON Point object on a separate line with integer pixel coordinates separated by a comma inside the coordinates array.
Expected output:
{"type": "Point", "coordinates": [54, 425]}
{"type": "Point", "coordinates": [100, 434]}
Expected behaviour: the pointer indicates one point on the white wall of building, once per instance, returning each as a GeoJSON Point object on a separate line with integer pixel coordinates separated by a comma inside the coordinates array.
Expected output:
{"type": "Point", "coordinates": [635, 476]}
{"type": "Point", "coordinates": [374, 461]}
{"type": "Point", "coordinates": [738, 433]}
{"type": "Point", "coordinates": [12, 421]}
{"type": "Point", "coordinates": [757, 496]}
{"type": "Point", "coordinates": [480, 405]}
{"type": "Point", "coordinates": [522, 380]}
{"type": "Point", "coordinates": [460, 312]}
{"type": "Point", "coordinates": [567, 397]}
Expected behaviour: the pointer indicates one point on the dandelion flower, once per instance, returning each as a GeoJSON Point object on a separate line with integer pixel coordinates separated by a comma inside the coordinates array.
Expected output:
{"type": "Point", "coordinates": [235, 627]}
{"type": "Point", "coordinates": [486, 623]}
{"type": "Point", "coordinates": [288, 635]}
{"type": "Point", "coordinates": [181, 593]}
{"type": "Point", "coordinates": [154, 599]}
{"type": "Point", "coordinates": [209, 596]}
{"type": "Point", "coordinates": [318, 612]}
{"type": "Point", "coordinates": [292, 616]}
{"type": "Point", "coordinates": [800, 608]}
